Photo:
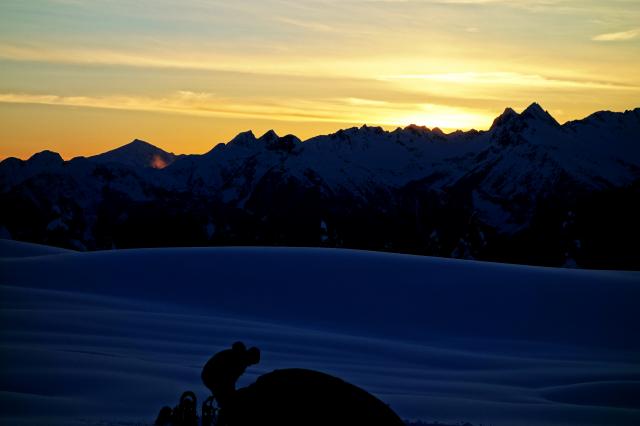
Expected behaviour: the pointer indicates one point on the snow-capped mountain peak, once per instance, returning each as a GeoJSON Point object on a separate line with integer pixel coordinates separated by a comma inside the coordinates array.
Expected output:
{"type": "Point", "coordinates": [414, 128]}
{"type": "Point", "coordinates": [534, 125]}
{"type": "Point", "coordinates": [272, 141]}
{"type": "Point", "coordinates": [45, 158]}
{"type": "Point", "coordinates": [269, 136]}
{"type": "Point", "coordinates": [243, 139]}
{"type": "Point", "coordinates": [372, 129]}
{"type": "Point", "coordinates": [139, 154]}
{"type": "Point", "coordinates": [533, 115]}
{"type": "Point", "coordinates": [536, 112]}
{"type": "Point", "coordinates": [507, 116]}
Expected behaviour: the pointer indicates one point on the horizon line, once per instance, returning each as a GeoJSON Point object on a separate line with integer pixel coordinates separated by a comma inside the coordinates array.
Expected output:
{"type": "Point", "coordinates": [385, 128]}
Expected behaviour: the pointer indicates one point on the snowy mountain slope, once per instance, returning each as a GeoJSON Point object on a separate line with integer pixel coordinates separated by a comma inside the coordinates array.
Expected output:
{"type": "Point", "coordinates": [356, 160]}
{"type": "Point", "coordinates": [14, 171]}
{"type": "Point", "coordinates": [114, 335]}
{"type": "Point", "coordinates": [538, 158]}
{"type": "Point", "coordinates": [500, 194]}
{"type": "Point", "coordinates": [593, 152]}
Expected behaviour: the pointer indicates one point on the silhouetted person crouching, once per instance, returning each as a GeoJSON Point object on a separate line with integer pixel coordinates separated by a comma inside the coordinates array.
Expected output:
{"type": "Point", "coordinates": [223, 370]}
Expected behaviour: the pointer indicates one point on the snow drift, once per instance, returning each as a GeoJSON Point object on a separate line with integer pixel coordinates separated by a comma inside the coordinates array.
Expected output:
{"type": "Point", "coordinates": [114, 335]}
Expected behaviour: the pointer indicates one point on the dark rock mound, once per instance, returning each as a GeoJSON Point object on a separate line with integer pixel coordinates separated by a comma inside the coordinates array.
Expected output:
{"type": "Point", "coordinates": [298, 396]}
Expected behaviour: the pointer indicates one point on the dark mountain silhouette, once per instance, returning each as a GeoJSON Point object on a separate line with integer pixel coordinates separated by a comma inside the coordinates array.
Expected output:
{"type": "Point", "coordinates": [137, 154]}
{"type": "Point", "coordinates": [528, 190]}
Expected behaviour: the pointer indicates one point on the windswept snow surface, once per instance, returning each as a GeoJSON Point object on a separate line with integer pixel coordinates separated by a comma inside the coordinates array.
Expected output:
{"type": "Point", "coordinates": [112, 336]}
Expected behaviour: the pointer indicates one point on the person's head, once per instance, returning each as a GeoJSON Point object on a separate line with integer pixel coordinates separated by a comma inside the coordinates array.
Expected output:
{"type": "Point", "coordinates": [249, 356]}
{"type": "Point", "coordinates": [225, 367]}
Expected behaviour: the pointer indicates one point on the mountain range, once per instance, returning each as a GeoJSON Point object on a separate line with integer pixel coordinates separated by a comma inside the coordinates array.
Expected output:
{"type": "Point", "coordinates": [528, 190]}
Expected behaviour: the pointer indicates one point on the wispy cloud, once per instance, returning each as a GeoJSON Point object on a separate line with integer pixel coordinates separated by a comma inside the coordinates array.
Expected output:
{"type": "Point", "coordinates": [619, 36]}
{"type": "Point", "coordinates": [183, 102]}
{"type": "Point", "coordinates": [524, 4]}
{"type": "Point", "coordinates": [306, 25]}
{"type": "Point", "coordinates": [329, 110]}
{"type": "Point", "coordinates": [106, 56]}
{"type": "Point", "coordinates": [365, 69]}
{"type": "Point", "coordinates": [181, 58]}
{"type": "Point", "coordinates": [513, 2]}
{"type": "Point", "coordinates": [497, 79]}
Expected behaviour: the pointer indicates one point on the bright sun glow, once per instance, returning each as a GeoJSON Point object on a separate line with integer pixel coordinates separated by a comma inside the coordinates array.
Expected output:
{"type": "Point", "coordinates": [447, 119]}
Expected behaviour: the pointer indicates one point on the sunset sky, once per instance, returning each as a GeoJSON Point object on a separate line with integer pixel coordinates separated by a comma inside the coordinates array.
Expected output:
{"type": "Point", "coordinates": [83, 76]}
